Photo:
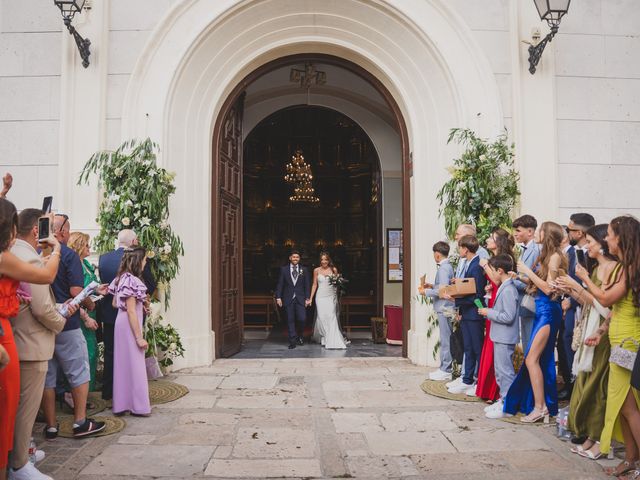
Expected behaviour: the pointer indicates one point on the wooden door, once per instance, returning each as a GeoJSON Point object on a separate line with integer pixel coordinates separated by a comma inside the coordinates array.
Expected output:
{"type": "Point", "coordinates": [227, 268]}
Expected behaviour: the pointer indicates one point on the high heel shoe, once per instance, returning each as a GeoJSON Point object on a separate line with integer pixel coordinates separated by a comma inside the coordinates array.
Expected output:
{"type": "Point", "coordinates": [536, 415]}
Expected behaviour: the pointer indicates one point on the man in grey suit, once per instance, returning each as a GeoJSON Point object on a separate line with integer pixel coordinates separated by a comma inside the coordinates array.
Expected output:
{"type": "Point", "coordinates": [443, 278]}
{"type": "Point", "coordinates": [524, 231]}
{"type": "Point", "coordinates": [504, 327]}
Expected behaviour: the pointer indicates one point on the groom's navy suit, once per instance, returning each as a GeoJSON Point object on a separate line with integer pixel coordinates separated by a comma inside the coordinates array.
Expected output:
{"type": "Point", "coordinates": [293, 295]}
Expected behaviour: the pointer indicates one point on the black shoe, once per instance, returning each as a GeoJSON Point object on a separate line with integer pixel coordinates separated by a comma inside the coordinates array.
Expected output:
{"type": "Point", "coordinates": [89, 427]}
{"type": "Point", "coordinates": [300, 341]}
{"type": "Point", "coordinates": [292, 346]}
{"type": "Point", "coordinates": [565, 393]}
{"type": "Point", "coordinates": [578, 440]}
{"type": "Point", "coordinates": [51, 432]}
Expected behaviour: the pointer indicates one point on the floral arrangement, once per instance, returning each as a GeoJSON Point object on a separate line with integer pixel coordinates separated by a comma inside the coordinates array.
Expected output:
{"type": "Point", "coordinates": [483, 188]}
{"type": "Point", "coordinates": [338, 281]}
{"type": "Point", "coordinates": [162, 338]}
{"type": "Point", "coordinates": [135, 194]}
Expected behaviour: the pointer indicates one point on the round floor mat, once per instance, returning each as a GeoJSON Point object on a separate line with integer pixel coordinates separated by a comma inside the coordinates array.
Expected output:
{"type": "Point", "coordinates": [114, 425]}
{"type": "Point", "coordinates": [439, 389]}
{"type": "Point", "coordinates": [165, 391]}
{"type": "Point", "coordinates": [95, 405]}
{"type": "Point", "coordinates": [516, 421]}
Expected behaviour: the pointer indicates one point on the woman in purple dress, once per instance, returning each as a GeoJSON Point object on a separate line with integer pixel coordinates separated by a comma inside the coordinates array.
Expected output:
{"type": "Point", "coordinates": [130, 388]}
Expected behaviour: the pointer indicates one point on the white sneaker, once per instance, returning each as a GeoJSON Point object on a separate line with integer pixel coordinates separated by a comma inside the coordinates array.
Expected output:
{"type": "Point", "coordinates": [454, 383]}
{"type": "Point", "coordinates": [462, 388]}
{"type": "Point", "coordinates": [471, 391]}
{"type": "Point", "coordinates": [439, 375]}
{"type": "Point", "coordinates": [40, 455]}
{"type": "Point", "coordinates": [496, 414]}
{"type": "Point", "coordinates": [28, 472]}
{"type": "Point", "coordinates": [494, 406]}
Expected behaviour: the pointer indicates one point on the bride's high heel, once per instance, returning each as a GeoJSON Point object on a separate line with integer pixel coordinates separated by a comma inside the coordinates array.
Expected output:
{"type": "Point", "coordinates": [536, 415]}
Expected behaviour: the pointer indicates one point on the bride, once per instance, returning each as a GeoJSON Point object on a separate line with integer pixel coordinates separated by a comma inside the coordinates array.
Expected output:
{"type": "Point", "coordinates": [327, 329]}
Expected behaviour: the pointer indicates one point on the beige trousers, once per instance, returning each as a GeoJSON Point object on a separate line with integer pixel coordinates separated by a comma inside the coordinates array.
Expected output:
{"type": "Point", "coordinates": [32, 376]}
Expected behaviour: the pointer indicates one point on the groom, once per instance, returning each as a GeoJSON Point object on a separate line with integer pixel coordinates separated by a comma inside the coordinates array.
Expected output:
{"type": "Point", "coordinates": [294, 292]}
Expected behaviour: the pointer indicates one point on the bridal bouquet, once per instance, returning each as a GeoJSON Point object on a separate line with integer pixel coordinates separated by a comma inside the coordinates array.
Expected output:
{"type": "Point", "coordinates": [339, 282]}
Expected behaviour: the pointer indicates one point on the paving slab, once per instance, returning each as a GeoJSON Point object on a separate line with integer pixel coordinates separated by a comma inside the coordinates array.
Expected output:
{"type": "Point", "coordinates": [299, 468]}
{"type": "Point", "coordinates": [151, 460]}
{"type": "Point", "coordinates": [408, 443]}
{"type": "Point", "coordinates": [274, 443]}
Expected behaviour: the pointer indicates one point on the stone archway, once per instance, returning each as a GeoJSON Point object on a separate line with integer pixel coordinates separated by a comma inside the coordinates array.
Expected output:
{"type": "Point", "coordinates": [424, 57]}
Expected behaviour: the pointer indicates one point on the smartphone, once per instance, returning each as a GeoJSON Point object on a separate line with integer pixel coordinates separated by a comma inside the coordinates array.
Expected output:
{"type": "Point", "coordinates": [580, 257]}
{"type": "Point", "coordinates": [46, 205]}
{"type": "Point", "coordinates": [44, 225]}
{"type": "Point", "coordinates": [478, 303]}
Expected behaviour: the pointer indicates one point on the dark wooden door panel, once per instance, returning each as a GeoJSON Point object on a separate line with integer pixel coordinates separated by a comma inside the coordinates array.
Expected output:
{"type": "Point", "coordinates": [228, 261]}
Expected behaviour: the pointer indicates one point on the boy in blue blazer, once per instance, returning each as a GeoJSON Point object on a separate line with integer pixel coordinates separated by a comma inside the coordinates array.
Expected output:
{"type": "Point", "coordinates": [504, 327]}
{"type": "Point", "coordinates": [471, 323]}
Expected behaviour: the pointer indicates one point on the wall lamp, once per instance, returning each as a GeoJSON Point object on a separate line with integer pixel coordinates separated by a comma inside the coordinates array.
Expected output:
{"type": "Point", "coordinates": [69, 8]}
{"type": "Point", "coordinates": [552, 11]}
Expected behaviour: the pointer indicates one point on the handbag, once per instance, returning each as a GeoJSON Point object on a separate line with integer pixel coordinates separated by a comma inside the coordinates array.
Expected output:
{"type": "Point", "coordinates": [622, 357]}
{"type": "Point", "coordinates": [528, 303]}
{"type": "Point", "coordinates": [582, 318]}
{"type": "Point", "coordinates": [151, 362]}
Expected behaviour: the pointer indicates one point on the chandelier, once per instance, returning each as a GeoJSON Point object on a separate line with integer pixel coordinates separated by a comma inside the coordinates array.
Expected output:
{"type": "Point", "coordinates": [299, 174]}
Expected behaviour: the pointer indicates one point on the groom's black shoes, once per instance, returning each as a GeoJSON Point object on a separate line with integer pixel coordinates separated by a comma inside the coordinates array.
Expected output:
{"type": "Point", "coordinates": [300, 341]}
{"type": "Point", "coordinates": [292, 346]}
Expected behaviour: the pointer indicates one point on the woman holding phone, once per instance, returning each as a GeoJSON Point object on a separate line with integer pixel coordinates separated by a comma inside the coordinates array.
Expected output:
{"type": "Point", "coordinates": [12, 272]}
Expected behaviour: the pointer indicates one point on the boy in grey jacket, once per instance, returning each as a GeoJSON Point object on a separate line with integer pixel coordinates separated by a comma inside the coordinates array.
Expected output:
{"type": "Point", "coordinates": [443, 278]}
{"type": "Point", "coordinates": [504, 327]}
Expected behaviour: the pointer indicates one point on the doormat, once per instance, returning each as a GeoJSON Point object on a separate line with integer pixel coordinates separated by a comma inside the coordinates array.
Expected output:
{"type": "Point", "coordinates": [113, 425]}
{"type": "Point", "coordinates": [165, 391]}
{"type": "Point", "coordinates": [439, 389]}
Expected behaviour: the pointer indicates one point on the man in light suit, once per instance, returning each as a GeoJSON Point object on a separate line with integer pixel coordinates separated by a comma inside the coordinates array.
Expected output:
{"type": "Point", "coordinates": [34, 328]}
{"type": "Point", "coordinates": [524, 231]}
{"type": "Point", "coordinates": [108, 265]}
{"type": "Point", "coordinates": [504, 327]}
{"type": "Point", "coordinates": [293, 292]}
{"type": "Point", "coordinates": [443, 278]}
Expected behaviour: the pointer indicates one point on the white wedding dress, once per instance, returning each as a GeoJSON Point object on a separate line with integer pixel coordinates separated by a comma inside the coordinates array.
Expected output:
{"type": "Point", "coordinates": [327, 329]}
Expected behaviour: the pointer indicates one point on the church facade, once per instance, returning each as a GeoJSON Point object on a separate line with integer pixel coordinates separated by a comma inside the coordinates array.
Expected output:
{"type": "Point", "coordinates": [197, 75]}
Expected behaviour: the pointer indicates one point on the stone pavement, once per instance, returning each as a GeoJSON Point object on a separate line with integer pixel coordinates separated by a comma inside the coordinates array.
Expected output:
{"type": "Point", "coordinates": [316, 418]}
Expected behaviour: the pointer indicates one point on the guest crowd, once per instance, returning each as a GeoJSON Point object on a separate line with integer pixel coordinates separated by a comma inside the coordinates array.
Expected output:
{"type": "Point", "coordinates": [49, 343]}
{"type": "Point", "coordinates": [572, 289]}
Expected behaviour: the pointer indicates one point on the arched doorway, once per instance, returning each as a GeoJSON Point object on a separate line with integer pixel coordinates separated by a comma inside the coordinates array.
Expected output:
{"type": "Point", "coordinates": [227, 232]}
{"type": "Point", "coordinates": [201, 55]}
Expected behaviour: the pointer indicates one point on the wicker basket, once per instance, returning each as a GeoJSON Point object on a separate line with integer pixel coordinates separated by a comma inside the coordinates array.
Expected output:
{"type": "Point", "coordinates": [379, 329]}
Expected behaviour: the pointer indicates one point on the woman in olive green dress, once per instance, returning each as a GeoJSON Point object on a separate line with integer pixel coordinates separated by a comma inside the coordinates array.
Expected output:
{"type": "Point", "coordinates": [622, 415]}
{"type": "Point", "coordinates": [589, 399]}
{"type": "Point", "coordinates": [79, 242]}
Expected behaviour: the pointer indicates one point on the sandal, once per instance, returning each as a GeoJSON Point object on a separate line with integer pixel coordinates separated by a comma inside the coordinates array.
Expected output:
{"type": "Point", "coordinates": [536, 415]}
{"type": "Point", "coordinates": [623, 467]}
{"type": "Point", "coordinates": [580, 448]}
{"type": "Point", "coordinates": [631, 475]}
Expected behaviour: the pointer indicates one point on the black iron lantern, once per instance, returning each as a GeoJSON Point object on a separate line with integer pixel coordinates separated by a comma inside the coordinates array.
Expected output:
{"type": "Point", "coordinates": [69, 8]}
{"type": "Point", "coordinates": [552, 12]}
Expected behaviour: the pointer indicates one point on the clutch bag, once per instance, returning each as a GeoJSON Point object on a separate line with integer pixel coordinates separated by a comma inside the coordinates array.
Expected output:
{"type": "Point", "coordinates": [622, 357]}
{"type": "Point", "coordinates": [529, 303]}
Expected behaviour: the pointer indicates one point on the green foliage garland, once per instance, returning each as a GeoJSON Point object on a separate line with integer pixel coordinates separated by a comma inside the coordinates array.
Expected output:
{"type": "Point", "coordinates": [483, 188]}
{"type": "Point", "coordinates": [135, 194]}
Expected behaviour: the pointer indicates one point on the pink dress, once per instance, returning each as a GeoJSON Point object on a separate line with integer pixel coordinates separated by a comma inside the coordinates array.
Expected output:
{"type": "Point", "coordinates": [130, 388]}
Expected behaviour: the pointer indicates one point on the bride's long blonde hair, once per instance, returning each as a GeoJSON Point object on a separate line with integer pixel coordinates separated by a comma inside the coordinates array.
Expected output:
{"type": "Point", "coordinates": [552, 235]}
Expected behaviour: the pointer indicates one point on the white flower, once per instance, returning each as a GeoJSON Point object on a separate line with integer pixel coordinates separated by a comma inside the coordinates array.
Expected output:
{"type": "Point", "coordinates": [167, 249]}
{"type": "Point", "coordinates": [144, 221]}
{"type": "Point", "coordinates": [128, 203]}
{"type": "Point", "coordinates": [118, 172]}
{"type": "Point", "coordinates": [172, 347]}
{"type": "Point", "coordinates": [152, 173]}
{"type": "Point", "coordinates": [151, 254]}
{"type": "Point", "coordinates": [126, 222]}
{"type": "Point", "coordinates": [483, 157]}
{"type": "Point", "coordinates": [164, 224]}
{"type": "Point", "coordinates": [142, 182]}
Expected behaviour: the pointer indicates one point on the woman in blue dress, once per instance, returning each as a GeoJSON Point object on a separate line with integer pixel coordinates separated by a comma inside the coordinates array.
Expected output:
{"type": "Point", "coordinates": [534, 390]}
